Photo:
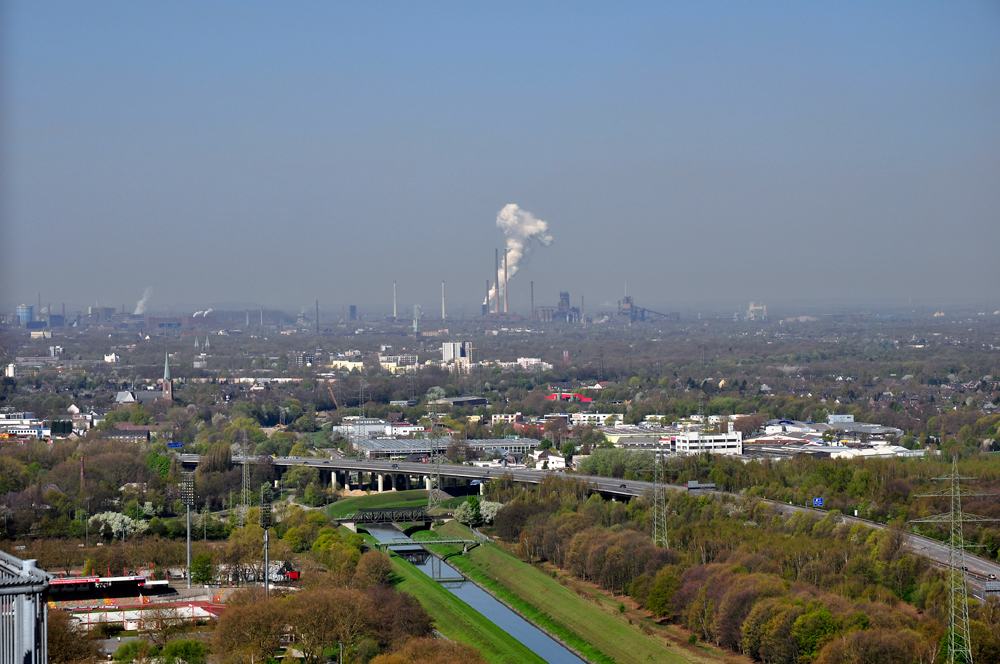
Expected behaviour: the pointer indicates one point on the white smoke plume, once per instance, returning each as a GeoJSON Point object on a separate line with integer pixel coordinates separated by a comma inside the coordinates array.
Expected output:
{"type": "Point", "coordinates": [140, 306]}
{"type": "Point", "coordinates": [522, 229]}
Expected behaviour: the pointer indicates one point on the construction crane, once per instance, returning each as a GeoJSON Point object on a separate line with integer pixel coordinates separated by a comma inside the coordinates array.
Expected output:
{"type": "Point", "coordinates": [336, 405]}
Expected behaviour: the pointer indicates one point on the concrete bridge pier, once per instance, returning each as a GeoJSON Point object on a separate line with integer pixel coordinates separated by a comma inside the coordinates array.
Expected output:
{"type": "Point", "coordinates": [482, 488]}
{"type": "Point", "coordinates": [427, 482]}
{"type": "Point", "coordinates": [381, 479]}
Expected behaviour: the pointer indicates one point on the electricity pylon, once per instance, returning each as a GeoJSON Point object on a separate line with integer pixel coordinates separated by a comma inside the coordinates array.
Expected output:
{"type": "Point", "coordinates": [660, 500]}
{"type": "Point", "coordinates": [246, 493]}
{"type": "Point", "coordinates": [434, 495]}
{"type": "Point", "coordinates": [959, 641]}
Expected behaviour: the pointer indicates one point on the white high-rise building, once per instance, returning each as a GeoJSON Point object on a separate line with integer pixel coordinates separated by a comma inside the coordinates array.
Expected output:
{"type": "Point", "coordinates": [455, 350]}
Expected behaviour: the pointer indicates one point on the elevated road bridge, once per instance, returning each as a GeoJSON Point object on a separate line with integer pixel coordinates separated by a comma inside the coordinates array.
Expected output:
{"type": "Point", "coordinates": [382, 476]}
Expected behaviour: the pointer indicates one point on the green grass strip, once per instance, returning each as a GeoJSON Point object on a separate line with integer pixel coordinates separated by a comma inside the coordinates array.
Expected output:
{"type": "Point", "coordinates": [459, 621]}
{"type": "Point", "coordinates": [591, 628]}
{"type": "Point", "coordinates": [348, 506]}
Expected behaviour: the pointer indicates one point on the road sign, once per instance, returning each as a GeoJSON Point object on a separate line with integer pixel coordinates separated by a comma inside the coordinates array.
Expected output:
{"type": "Point", "coordinates": [175, 444]}
{"type": "Point", "coordinates": [817, 502]}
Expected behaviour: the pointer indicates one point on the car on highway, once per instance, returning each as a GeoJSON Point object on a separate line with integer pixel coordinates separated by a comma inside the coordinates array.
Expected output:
{"type": "Point", "coordinates": [622, 486]}
{"type": "Point", "coordinates": [991, 577]}
{"type": "Point", "coordinates": [395, 466]}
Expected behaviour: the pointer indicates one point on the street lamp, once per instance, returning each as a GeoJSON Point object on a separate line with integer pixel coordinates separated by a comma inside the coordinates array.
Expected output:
{"type": "Point", "coordinates": [265, 523]}
{"type": "Point", "coordinates": [187, 498]}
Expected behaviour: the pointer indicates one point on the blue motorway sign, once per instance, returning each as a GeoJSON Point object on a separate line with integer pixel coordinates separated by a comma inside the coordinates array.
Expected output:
{"type": "Point", "coordinates": [175, 444]}
{"type": "Point", "coordinates": [817, 502]}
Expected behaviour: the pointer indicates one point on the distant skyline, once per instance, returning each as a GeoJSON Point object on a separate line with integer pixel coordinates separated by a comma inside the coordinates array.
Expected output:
{"type": "Point", "coordinates": [701, 152]}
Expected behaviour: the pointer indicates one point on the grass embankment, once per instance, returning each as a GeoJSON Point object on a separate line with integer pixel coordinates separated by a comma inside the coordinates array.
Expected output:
{"type": "Point", "coordinates": [594, 628]}
{"type": "Point", "coordinates": [459, 621]}
{"type": "Point", "coordinates": [348, 506]}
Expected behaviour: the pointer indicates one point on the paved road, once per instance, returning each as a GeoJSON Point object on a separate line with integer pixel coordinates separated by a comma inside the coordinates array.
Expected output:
{"type": "Point", "coordinates": [979, 568]}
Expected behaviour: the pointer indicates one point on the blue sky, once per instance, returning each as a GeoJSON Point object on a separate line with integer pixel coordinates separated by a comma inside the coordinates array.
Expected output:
{"type": "Point", "coordinates": [702, 152]}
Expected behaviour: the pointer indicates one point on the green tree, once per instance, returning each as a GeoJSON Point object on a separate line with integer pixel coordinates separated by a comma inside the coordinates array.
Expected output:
{"type": "Point", "coordinates": [300, 477]}
{"type": "Point", "coordinates": [314, 496]}
{"type": "Point", "coordinates": [665, 584]}
{"type": "Point", "coordinates": [810, 630]}
{"type": "Point", "coordinates": [202, 569]}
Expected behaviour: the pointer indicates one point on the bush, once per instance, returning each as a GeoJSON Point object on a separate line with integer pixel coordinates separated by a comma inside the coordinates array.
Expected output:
{"type": "Point", "coordinates": [191, 651]}
{"type": "Point", "coordinates": [131, 651]}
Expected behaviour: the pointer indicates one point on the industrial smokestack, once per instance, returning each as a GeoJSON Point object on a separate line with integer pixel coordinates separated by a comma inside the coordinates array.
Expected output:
{"type": "Point", "coordinates": [505, 281]}
{"type": "Point", "coordinates": [496, 289]}
{"type": "Point", "coordinates": [317, 317]}
{"type": "Point", "coordinates": [262, 316]}
{"type": "Point", "coordinates": [522, 230]}
{"type": "Point", "coordinates": [442, 301]}
{"type": "Point", "coordinates": [248, 318]}
{"type": "Point", "coordinates": [583, 317]}
{"type": "Point", "coordinates": [532, 300]}
{"type": "Point", "coordinates": [394, 300]}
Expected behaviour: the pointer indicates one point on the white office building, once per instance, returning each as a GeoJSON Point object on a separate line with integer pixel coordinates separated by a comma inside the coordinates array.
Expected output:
{"type": "Point", "coordinates": [696, 442]}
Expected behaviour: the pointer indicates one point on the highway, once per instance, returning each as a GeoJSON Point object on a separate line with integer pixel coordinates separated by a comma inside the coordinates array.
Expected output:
{"type": "Point", "coordinates": [979, 568]}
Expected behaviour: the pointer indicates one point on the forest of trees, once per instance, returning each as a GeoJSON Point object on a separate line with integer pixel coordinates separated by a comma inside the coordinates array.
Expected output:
{"type": "Point", "coordinates": [744, 577]}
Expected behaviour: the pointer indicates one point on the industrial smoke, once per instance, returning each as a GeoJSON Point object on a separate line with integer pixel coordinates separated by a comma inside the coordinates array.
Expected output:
{"type": "Point", "coordinates": [140, 306]}
{"type": "Point", "coordinates": [522, 230]}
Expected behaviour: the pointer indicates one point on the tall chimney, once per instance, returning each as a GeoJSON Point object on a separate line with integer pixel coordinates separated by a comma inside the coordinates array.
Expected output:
{"type": "Point", "coordinates": [317, 317]}
{"type": "Point", "coordinates": [583, 317]}
{"type": "Point", "coordinates": [248, 318]}
{"type": "Point", "coordinates": [262, 316]}
{"type": "Point", "coordinates": [442, 301]}
{"type": "Point", "coordinates": [394, 300]}
{"type": "Point", "coordinates": [64, 314]}
{"type": "Point", "coordinates": [505, 280]}
{"type": "Point", "coordinates": [532, 300]}
{"type": "Point", "coordinates": [496, 282]}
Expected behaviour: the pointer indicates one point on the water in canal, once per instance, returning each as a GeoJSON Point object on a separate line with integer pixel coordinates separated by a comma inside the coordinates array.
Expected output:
{"type": "Point", "coordinates": [533, 638]}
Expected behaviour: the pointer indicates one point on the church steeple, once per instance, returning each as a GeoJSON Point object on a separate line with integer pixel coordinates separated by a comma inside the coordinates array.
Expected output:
{"type": "Point", "coordinates": [168, 385]}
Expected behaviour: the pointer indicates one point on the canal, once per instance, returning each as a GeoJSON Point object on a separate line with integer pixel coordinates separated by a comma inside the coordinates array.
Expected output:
{"type": "Point", "coordinates": [478, 599]}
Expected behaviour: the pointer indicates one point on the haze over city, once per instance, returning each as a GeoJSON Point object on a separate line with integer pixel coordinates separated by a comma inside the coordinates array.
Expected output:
{"type": "Point", "coordinates": [251, 154]}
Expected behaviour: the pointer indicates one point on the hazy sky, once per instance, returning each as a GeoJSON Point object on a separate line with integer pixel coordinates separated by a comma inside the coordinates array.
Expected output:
{"type": "Point", "coordinates": [283, 152]}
